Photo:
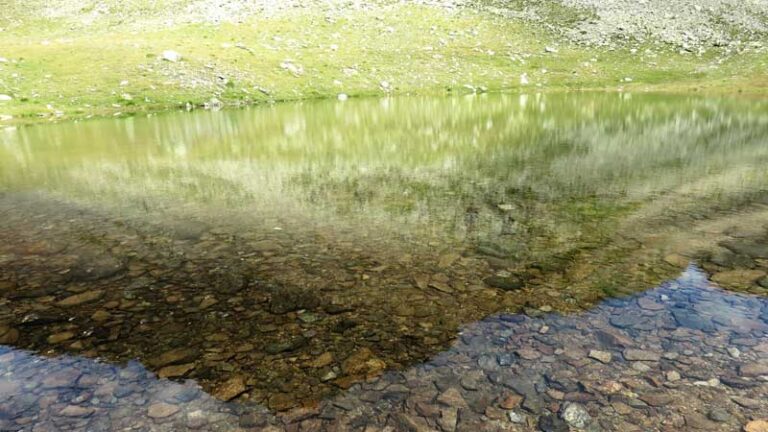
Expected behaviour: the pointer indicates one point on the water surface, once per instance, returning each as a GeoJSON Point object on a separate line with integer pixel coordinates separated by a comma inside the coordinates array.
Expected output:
{"type": "Point", "coordinates": [280, 256]}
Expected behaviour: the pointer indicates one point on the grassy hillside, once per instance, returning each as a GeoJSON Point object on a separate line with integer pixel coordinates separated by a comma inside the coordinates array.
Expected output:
{"type": "Point", "coordinates": [83, 59]}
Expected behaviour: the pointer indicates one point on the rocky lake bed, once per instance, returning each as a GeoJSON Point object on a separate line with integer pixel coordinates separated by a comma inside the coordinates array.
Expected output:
{"type": "Point", "coordinates": [490, 262]}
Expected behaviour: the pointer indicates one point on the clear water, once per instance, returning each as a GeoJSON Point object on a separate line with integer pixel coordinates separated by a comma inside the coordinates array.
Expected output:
{"type": "Point", "coordinates": [287, 258]}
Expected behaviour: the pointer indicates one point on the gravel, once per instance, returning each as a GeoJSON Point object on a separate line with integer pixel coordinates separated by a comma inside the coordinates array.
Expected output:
{"type": "Point", "coordinates": [688, 25]}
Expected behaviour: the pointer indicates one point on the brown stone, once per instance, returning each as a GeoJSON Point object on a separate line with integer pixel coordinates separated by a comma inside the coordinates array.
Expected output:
{"type": "Point", "coordinates": [756, 426]}
{"type": "Point", "coordinates": [8, 335]}
{"type": "Point", "coordinates": [323, 360]}
{"type": "Point", "coordinates": [753, 369]}
{"type": "Point", "coordinates": [60, 337]}
{"type": "Point", "coordinates": [76, 411]}
{"type": "Point", "coordinates": [738, 277]}
{"type": "Point", "coordinates": [511, 401]}
{"type": "Point", "coordinates": [208, 302]}
{"type": "Point", "coordinates": [81, 298]}
{"type": "Point", "coordinates": [230, 389]}
{"type": "Point", "coordinates": [699, 422]}
{"type": "Point", "coordinates": [363, 362]}
{"type": "Point", "coordinates": [175, 371]}
{"type": "Point", "coordinates": [657, 399]}
{"type": "Point", "coordinates": [179, 355]}
{"type": "Point", "coordinates": [631, 354]}
{"type": "Point", "coordinates": [101, 316]}
{"type": "Point", "coordinates": [601, 356]}
{"type": "Point", "coordinates": [528, 353]}
{"type": "Point", "coordinates": [677, 260]}
{"type": "Point", "coordinates": [452, 397]}
{"type": "Point", "coordinates": [282, 402]}
{"type": "Point", "coordinates": [161, 410]}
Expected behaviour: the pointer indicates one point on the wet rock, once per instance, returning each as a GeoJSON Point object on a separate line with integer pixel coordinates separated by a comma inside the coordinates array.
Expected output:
{"type": "Point", "coordinates": [8, 335]}
{"type": "Point", "coordinates": [510, 401]}
{"type": "Point", "coordinates": [692, 320]}
{"type": "Point", "coordinates": [746, 402]}
{"type": "Point", "coordinates": [174, 356]}
{"type": "Point", "coordinates": [175, 371]}
{"type": "Point", "coordinates": [528, 353]}
{"type": "Point", "coordinates": [57, 338]}
{"type": "Point", "coordinates": [551, 423]}
{"type": "Point", "coordinates": [657, 399]}
{"type": "Point", "coordinates": [756, 426]}
{"type": "Point", "coordinates": [230, 389]}
{"type": "Point", "coordinates": [76, 411]}
{"type": "Point", "coordinates": [286, 346]}
{"type": "Point", "coordinates": [753, 369]}
{"type": "Point", "coordinates": [94, 266]}
{"type": "Point", "coordinates": [410, 423]}
{"type": "Point", "coordinates": [751, 249]}
{"type": "Point", "coordinates": [322, 361]}
{"type": "Point", "coordinates": [101, 316]}
{"type": "Point", "coordinates": [601, 356]}
{"type": "Point", "coordinates": [631, 354]}
{"type": "Point", "coordinates": [207, 302]}
{"type": "Point", "coordinates": [698, 421]}
{"type": "Point", "coordinates": [738, 277]}
{"type": "Point", "coordinates": [162, 410]}
{"type": "Point", "coordinates": [452, 397]}
{"type": "Point", "coordinates": [719, 415]}
{"type": "Point", "coordinates": [289, 299]}
{"type": "Point", "coordinates": [82, 298]}
{"type": "Point", "coordinates": [575, 415]}
{"type": "Point", "coordinates": [515, 417]}
{"type": "Point", "coordinates": [504, 283]}
{"type": "Point", "coordinates": [613, 339]}
{"type": "Point", "coordinates": [448, 419]}
{"type": "Point", "coordinates": [650, 304]}
{"type": "Point", "coordinates": [363, 362]}
{"type": "Point", "coordinates": [189, 230]}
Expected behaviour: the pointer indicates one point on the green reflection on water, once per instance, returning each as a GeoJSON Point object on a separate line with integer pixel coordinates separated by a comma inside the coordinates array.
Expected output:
{"type": "Point", "coordinates": [546, 172]}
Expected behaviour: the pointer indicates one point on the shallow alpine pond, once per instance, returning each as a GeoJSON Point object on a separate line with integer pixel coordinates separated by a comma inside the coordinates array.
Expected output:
{"type": "Point", "coordinates": [485, 262]}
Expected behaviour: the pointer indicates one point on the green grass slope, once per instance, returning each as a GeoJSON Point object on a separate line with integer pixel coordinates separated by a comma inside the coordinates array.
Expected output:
{"type": "Point", "coordinates": [94, 59]}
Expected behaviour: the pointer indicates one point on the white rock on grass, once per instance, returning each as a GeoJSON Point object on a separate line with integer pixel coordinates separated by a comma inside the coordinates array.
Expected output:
{"type": "Point", "coordinates": [171, 56]}
{"type": "Point", "coordinates": [5, 98]}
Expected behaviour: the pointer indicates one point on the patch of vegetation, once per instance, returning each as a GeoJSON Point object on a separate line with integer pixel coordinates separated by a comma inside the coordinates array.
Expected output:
{"type": "Point", "coordinates": [57, 69]}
